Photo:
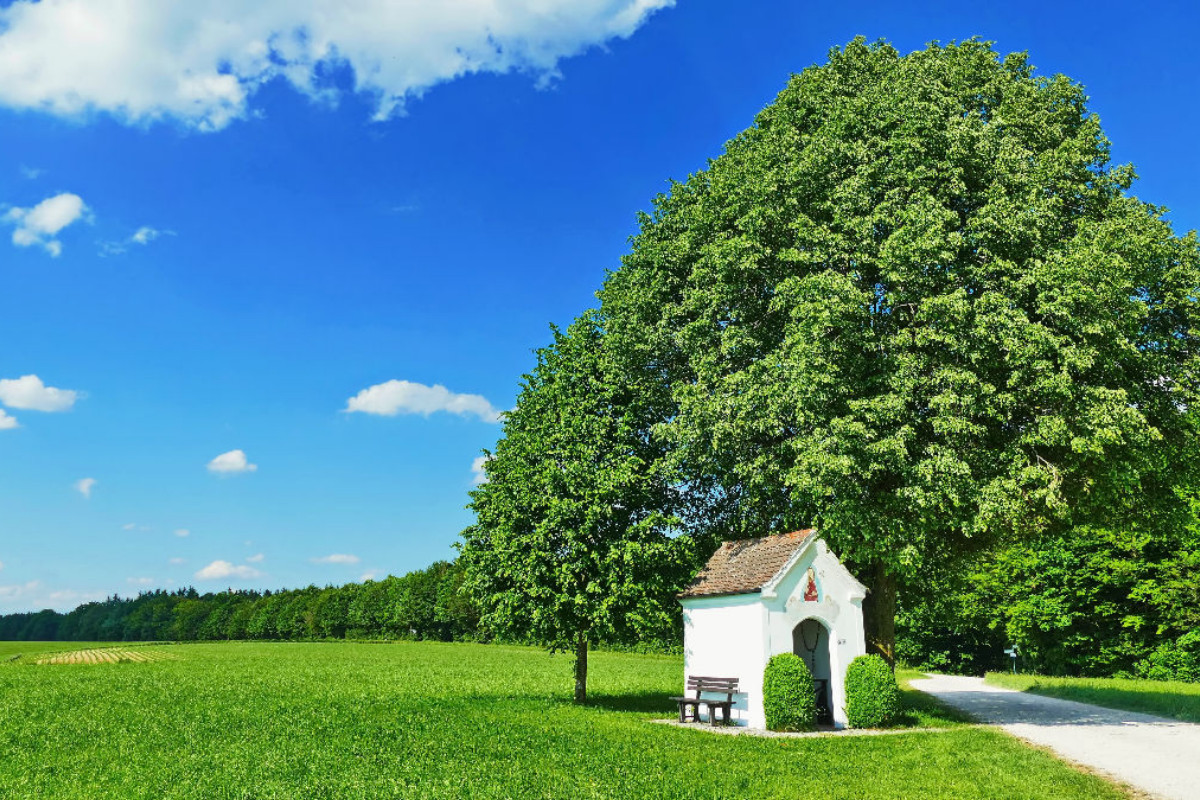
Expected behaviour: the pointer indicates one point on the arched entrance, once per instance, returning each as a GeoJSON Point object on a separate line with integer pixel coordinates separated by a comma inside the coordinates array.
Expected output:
{"type": "Point", "coordinates": [810, 641]}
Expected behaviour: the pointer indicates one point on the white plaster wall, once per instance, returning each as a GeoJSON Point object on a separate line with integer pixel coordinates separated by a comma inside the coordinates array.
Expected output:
{"type": "Point", "coordinates": [723, 638]}
{"type": "Point", "coordinates": [733, 636]}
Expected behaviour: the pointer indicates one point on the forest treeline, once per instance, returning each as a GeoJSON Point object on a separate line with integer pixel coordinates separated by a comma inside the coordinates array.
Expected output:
{"type": "Point", "coordinates": [1093, 602]}
{"type": "Point", "coordinates": [424, 604]}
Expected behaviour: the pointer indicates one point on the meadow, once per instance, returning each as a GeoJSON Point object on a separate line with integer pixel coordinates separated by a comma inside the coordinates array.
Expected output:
{"type": "Point", "coordinates": [431, 720]}
{"type": "Point", "coordinates": [1171, 699]}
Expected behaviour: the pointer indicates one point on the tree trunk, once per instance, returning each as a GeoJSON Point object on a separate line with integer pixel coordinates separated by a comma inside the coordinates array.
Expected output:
{"type": "Point", "coordinates": [581, 653]}
{"type": "Point", "coordinates": [879, 614]}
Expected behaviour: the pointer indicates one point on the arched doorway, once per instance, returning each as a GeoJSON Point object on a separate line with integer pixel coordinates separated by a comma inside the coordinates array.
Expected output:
{"type": "Point", "coordinates": [810, 641]}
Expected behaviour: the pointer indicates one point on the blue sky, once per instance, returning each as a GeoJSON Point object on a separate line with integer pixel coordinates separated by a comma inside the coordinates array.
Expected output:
{"type": "Point", "coordinates": [220, 237]}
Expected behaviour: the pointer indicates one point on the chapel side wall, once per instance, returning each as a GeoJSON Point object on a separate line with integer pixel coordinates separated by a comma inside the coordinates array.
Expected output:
{"type": "Point", "coordinates": [722, 638]}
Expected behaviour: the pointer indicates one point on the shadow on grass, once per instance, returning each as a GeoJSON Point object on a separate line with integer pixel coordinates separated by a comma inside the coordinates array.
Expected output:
{"type": "Point", "coordinates": [634, 702]}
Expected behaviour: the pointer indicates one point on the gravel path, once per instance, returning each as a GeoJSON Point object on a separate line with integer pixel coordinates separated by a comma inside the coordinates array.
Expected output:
{"type": "Point", "coordinates": [1156, 755]}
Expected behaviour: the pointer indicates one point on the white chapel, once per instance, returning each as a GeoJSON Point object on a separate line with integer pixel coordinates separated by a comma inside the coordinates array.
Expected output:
{"type": "Point", "coordinates": [779, 594]}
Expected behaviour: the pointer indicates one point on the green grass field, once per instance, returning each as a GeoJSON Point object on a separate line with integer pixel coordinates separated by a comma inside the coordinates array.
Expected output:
{"type": "Point", "coordinates": [423, 720]}
{"type": "Point", "coordinates": [1163, 698]}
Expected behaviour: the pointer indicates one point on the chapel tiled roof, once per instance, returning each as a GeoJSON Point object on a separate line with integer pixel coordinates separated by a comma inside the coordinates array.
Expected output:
{"type": "Point", "coordinates": [746, 566]}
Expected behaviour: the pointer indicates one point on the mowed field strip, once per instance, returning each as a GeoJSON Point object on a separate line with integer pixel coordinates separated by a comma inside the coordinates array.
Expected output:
{"type": "Point", "coordinates": [432, 720]}
{"type": "Point", "coordinates": [107, 655]}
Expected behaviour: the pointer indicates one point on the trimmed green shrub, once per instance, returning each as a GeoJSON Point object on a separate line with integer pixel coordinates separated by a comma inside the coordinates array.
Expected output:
{"type": "Point", "coordinates": [872, 696]}
{"type": "Point", "coordinates": [789, 698]}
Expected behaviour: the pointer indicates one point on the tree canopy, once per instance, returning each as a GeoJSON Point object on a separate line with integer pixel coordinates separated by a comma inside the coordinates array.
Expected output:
{"type": "Point", "coordinates": [916, 305]}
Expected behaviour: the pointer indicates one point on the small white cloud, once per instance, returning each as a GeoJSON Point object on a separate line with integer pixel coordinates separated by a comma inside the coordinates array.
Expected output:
{"type": "Point", "coordinates": [31, 173]}
{"type": "Point", "coordinates": [177, 561]}
{"type": "Point", "coordinates": [84, 486]}
{"type": "Point", "coordinates": [369, 575]}
{"type": "Point", "coordinates": [16, 590]}
{"type": "Point", "coordinates": [230, 463]}
{"type": "Point", "coordinates": [406, 397]}
{"type": "Point", "coordinates": [142, 236]}
{"type": "Point", "coordinates": [478, 470]}
{"type": "Point", "coordinates": [255, 559]}
{"type": "Point", "coordinates": [129, 526]}
{"type": "Point", "coordinates": [182, 533]}
{"type": "Point", "coordinates": [40, 224]}
{"type": "Point", "coordinates": [140, 581]}
{"type": "Point", "coordinates": [29, 393]}
{"type": "Point", "coordinates": [224, 569]}
{"type": "Point", "coordinates": [336, 558]}
{"type": "Point", "coordinates": [64, 595]}
{"type": "Point", "coordinates": [7, 421]}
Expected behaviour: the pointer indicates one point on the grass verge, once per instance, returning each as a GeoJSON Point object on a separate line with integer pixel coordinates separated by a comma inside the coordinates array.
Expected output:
{"type": "Point", "coordinates": [1162, 698]}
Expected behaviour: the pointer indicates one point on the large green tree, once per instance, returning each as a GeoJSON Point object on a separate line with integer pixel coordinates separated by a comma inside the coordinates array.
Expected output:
{"type": "Point", "coordinates": [916, 305]}
{"type": "Point", "coordinates": [573, 542]}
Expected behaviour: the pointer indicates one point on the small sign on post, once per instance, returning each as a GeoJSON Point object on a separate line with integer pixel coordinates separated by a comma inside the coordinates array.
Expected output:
{"type": "Point", "coordinates": [1012, 653]}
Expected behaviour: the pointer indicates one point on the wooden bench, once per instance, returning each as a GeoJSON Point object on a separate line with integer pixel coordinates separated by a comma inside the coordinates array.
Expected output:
{"type": "Point", "coordinates": [700, 685]}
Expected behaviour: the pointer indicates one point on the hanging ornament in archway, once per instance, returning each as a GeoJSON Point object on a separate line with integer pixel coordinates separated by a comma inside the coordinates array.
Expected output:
{"type": "Point", "coordinates": [810, 587]}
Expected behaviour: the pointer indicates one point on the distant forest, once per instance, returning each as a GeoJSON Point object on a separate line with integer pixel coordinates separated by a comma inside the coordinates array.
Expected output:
{"type": "Point", "coordinates": [425, 604]}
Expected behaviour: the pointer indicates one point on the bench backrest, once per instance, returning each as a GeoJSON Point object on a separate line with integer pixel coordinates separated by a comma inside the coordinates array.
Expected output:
{"type": "Point", "coordinates": [700, 683]}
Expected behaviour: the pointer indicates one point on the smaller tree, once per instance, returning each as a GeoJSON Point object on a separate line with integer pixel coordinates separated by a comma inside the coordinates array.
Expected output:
{"type": "Point", "coordinates": [789, 695]}
{"type": "Point", "coordinates": [573, 542]}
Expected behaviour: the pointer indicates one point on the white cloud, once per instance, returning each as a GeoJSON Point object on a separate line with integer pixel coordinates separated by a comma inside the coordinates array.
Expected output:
{"type": "Point", "coordinates": [34, 596]}
{"type": "Point", "coordinates": [7, 421]}
{"type": "Point", "coordinates": [142, 236]}
{"type": "Point", "coordinates": [40, 224]}
{"type": "Point", "coordinates": [223, 569]}
{"type": "Point", "coordinates": [182, 533]}
{"type": "Point", "coordinates": [405, 397]}
{"type": "Point", "coordinates": [478, 472]}
{"type": "Point", "coordinates": [129, 526]}
{"type": "Point", "coordinates": [28, 392]}
{"type": "Point", "coordinates": [369, 575]}
{"type": "Point", "coordinates": [140, 581]}
{"type": "Point", "coordinates": [31, 173]}
{"type": "Point", "coordinates": [336, 558]}
{"type": "Point", "coordinates": [255, 559]}
{"type": "Point", "coordinates": [231, 463]}
{"type": "Point", "coordinates": [200, 62]}
{"type": "Point", "coordinates": [17, 590]}
{"type": "Point", "coordinates": [73, 598]}
{"type": "Point", "coordinates": [84, 486]}
{"type": "Point", "coordinates": [177, 561]}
